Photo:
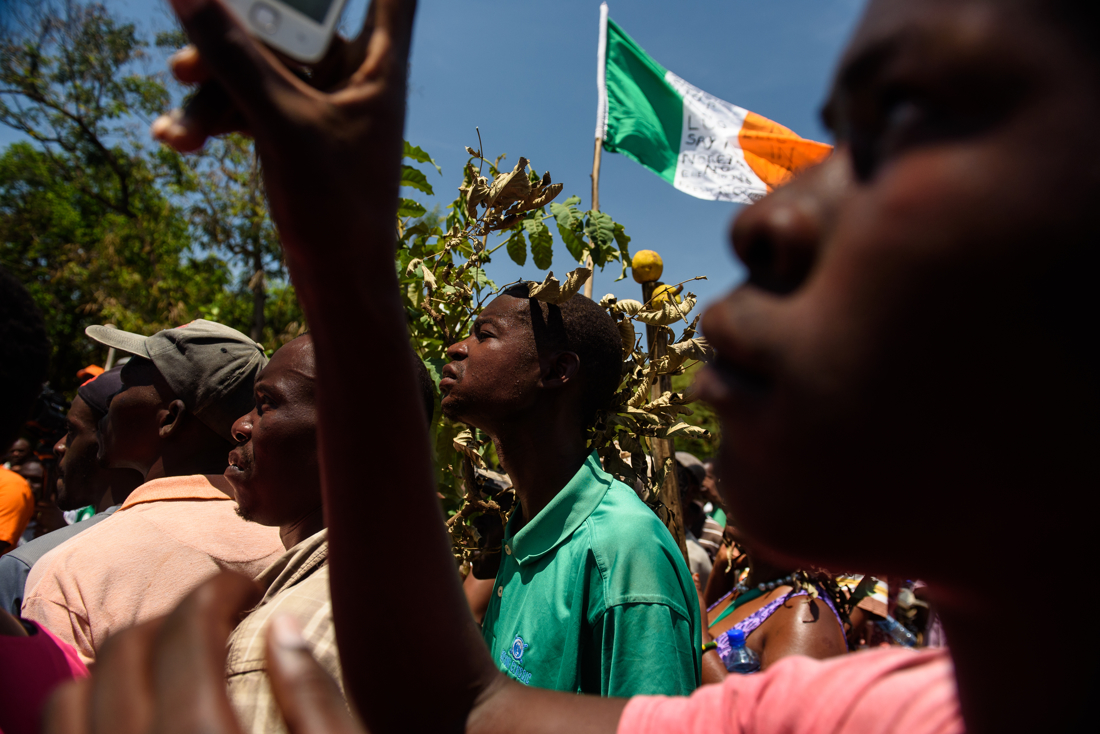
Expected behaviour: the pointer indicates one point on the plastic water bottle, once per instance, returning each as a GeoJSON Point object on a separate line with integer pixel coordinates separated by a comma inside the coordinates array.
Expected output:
{"type": "Point", "coordinates": [897, 633]}
{"type": "Point", "coordinates": [735, 655]}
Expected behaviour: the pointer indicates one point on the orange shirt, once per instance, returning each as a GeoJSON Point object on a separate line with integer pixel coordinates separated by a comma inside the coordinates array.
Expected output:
{"type": "Point", "coordinates": [168, 537]}
{"type": "Point", "coordinates": [16, 506]}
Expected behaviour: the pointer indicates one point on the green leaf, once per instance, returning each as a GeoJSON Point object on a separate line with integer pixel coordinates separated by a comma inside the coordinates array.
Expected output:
{"type": "Point", "coordinates": [574, 242]}
{"type": "Point", "coordinates": [415, 153]}
{"type": "Point", "coordinates": [600, 229]}
{"type": "Point", "coordinates": [410, 208]}
{"type": "Point", "coordinates": [542, 242]}
{"type": "Point", "coordinates": [416, 179]}
{"type": "Point", "coordinates": [517, 247]}
{"type": "Point", "coordinates": [570, 226]}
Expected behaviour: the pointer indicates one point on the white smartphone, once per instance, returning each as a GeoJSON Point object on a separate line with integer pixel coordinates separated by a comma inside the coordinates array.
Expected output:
{"type": "Point", "coordinates": [301, 29]}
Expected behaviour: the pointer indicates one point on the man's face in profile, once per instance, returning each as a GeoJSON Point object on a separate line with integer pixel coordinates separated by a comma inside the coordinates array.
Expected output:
{"type": "Point", "coordinates": [78, 466]}
{"type": "Point", "coordinates": [892, 305]}
{"type": "Point", "coordinates": [274, 468]}
{"type": "Point", "coordinates": [494, 371]}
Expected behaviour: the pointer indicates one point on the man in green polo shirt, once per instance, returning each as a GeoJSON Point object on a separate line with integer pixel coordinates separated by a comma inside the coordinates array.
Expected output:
{"type": "Point", "coordinates": [592, 594]}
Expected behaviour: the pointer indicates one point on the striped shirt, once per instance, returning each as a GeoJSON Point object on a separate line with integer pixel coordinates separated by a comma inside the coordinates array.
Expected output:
{"type": "Point", "coordinates": [296, 584]}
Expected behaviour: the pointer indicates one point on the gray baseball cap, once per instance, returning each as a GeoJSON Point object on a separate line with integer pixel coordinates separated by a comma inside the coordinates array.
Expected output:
{"type": "Point", "coordinates": [209, 366]}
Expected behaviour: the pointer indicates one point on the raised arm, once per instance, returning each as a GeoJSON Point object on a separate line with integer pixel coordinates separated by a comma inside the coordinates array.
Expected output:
{"type": "Point", "coordinates": [331, 162]}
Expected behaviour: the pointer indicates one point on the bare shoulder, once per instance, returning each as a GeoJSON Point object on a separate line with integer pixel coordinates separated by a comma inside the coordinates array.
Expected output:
{"type": "Point", "coordinates": [802, 625]}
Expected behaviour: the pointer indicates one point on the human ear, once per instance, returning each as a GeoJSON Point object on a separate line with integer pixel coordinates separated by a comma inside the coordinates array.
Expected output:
{"type": "Point", "coordinates": [560, 368]}
{"type": "Point", "coordinates": [171, 418]}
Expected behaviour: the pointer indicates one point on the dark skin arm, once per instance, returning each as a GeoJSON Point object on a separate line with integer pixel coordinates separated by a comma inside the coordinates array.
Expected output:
{"type": "Point", "coordinates": [331, 162]}
{"type": "Point", "coordinates": [801, 626]}
{"type": "Point", "coordinates": [478, 593]}
{"type": "Point", "coordinates": [722, 576]}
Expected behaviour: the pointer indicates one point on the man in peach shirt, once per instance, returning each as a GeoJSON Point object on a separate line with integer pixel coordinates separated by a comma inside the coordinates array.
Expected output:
{"type": "Point", "coordinates": [181, 392]}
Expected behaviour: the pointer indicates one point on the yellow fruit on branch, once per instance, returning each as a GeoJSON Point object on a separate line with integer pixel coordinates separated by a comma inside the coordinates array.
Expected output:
{"type": "Point", "coordinates": [646, 266]}
{"type": "Point", "coordinates": [663, 294]}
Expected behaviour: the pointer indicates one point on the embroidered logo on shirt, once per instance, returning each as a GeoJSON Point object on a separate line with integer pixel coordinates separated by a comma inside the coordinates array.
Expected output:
{"type": "Point", "coordinates": [512, 658]}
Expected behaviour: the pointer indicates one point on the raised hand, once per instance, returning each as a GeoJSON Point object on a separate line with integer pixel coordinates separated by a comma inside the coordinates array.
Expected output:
{"type": "Point", "coordinates": [168, 675]}
{"type": "Point", "coordinates": [329, 137]}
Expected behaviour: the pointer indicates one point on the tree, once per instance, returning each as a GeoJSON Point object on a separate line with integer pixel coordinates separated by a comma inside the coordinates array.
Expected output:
{"type": "Point", "coordinates": [105, 227]}
{"type": "Point", "coordinates": [229, 215]}
{"type": "Point", "coordinates": [83, 221]}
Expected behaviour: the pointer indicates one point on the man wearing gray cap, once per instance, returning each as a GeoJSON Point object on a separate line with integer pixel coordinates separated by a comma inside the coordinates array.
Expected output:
{"type": "Point", "coordinates": [171, 421]}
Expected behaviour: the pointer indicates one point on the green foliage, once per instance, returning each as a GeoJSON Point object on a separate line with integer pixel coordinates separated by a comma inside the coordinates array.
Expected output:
{"type": "Point", "coordinates": [103, 227]}
{"type": "Point", "coordinates": [625, 431]}
{"type": "Point", "coordinates": [542, 243]}
{"type": "Point", "coordinates": [703, 416]}
{"type": "Point", "coordinates": [416, 179]}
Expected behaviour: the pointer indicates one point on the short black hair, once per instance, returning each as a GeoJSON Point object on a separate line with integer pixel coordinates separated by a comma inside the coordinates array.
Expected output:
{"type": "Point", "coordinates": [26, 356]}
{"type": "Point", "coordinates": [582, 326]}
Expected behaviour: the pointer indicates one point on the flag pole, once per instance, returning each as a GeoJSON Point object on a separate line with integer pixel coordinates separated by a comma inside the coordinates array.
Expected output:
{"type": "Point", "coordinates": [601, 131]}
{"type": "Point", "coordinates": [595, 207]}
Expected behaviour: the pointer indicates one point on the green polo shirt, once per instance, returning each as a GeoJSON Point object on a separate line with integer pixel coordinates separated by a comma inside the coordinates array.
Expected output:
{"type": "Point", "coordinates": [593, 596]}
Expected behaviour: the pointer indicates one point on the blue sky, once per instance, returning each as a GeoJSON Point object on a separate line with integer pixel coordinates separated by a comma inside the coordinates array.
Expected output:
{"type": "Point", "coordinates": [524, 72]}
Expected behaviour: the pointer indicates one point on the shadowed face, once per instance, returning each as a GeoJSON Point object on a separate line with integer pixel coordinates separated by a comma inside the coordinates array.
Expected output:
{"type": "Point", "coordinates": [274, 469]}
{"type": "Point", "coordinates": [495, 371]}
{"type": "Point", "coordinates": [19, 451]}
{"type": "Point", "coordinates": [910, 326]}
{"type": "Point", "coordinates": [78, 467]}
{"type": "Point", "coordinates": [35, 474]}
{"type": "Point", "coordinates": [129, 433]}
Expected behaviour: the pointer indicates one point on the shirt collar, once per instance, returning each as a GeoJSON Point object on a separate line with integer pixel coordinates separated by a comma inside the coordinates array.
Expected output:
{"type": "Point", "coordinates": [294, 565]}
{"type": "Point", "coordinates": [565, 513]}
{"type": "Point", "coordinates": [194, 487]}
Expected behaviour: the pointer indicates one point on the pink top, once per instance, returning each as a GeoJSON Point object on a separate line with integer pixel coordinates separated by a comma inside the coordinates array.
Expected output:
{"type": "Point", "coordinates": [32, 667]}
{"type": "Point", "coordinates": [879, 691]}
{"type": "Point", "coordinates": [168, 537]}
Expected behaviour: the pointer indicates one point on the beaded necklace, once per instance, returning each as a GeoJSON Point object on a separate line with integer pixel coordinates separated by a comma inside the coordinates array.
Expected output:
{"type": "Point", "coordinates": [744, 595]}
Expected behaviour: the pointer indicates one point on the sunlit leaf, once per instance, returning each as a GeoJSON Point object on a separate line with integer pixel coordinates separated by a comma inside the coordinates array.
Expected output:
{"type": "Point", "coordinates": [415, 178]}
{"type": "Point", "coordinates": [517, 247]}
{"type": "Point", "coordinates": [415, 153]}
{"type": "Point", "coordinates": [410, 208]}
{"type": "Point", "coordinates": [551, 291]}
{"type": "Point", "coordinates": [542, 244]}
{"type": "Point", "coordinates": [508, 188]}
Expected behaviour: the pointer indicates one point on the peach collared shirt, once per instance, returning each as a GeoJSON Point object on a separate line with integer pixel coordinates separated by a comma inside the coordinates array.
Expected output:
{"type": "Point", "coordinates": [168, 537]}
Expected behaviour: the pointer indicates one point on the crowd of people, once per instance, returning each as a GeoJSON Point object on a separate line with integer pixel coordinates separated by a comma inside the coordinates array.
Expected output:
{"type": "Point", "coordinates": [906, 386]}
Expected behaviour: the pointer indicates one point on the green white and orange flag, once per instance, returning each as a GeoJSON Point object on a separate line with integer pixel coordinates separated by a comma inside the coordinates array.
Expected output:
{"type": "Point", "coordinates": [700, 144]}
